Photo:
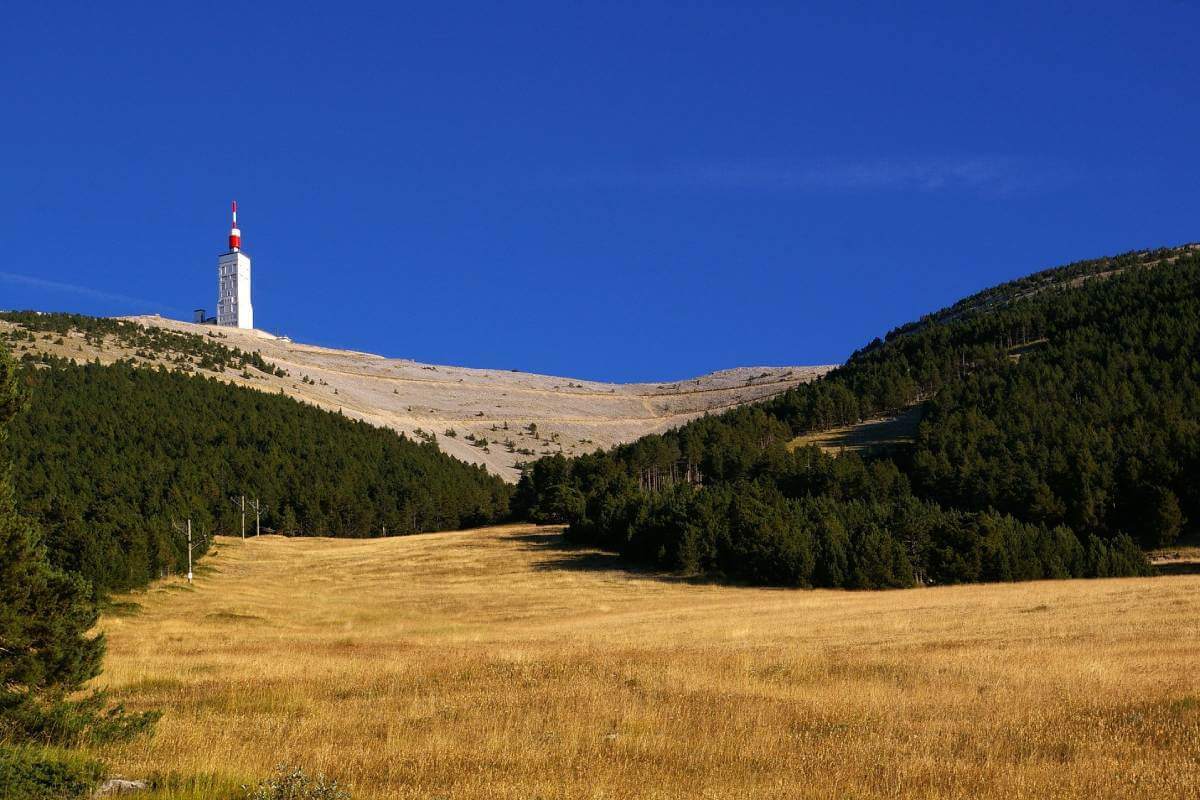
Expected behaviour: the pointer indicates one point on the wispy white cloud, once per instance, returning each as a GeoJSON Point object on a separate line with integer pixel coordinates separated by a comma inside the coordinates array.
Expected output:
{"type": "Point", "coordinates": [86, 291]}
{"type": "Point", "coordinates": [984, 174]}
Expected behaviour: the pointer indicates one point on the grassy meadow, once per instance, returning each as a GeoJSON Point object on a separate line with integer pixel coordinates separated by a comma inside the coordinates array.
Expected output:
{"type": "Point", "coordinates": [498, 663]}
{"type": "Point", "coordinates": [864, 437]}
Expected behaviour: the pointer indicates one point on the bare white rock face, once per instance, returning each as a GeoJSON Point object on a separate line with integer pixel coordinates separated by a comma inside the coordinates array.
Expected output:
{"type": "Point", "coordinates": [460, 406]}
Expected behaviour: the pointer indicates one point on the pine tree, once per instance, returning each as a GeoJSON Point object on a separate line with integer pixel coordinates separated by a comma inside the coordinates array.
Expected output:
{"type": "Point", "coordinates": [45, 614]}
{"type": "Point", "coordinates": [46, 652]}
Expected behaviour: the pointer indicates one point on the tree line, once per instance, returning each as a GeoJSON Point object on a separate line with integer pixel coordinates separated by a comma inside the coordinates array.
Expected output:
{"type": "Point", "coordinates": [47, 652]}
{"type": "Point", "coordinates": [186, 351]}
{"type": "Point", "coordinates": [1059, 431]}
{"type": "Point", "coordinates": [105, 457]}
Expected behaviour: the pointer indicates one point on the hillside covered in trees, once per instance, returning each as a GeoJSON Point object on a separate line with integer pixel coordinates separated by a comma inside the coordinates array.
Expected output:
{"type": "Point", "coordinates": [106, 457]}
{"type": "Point", "coordinates": [1060, 429]}
{"type": "Point", "coordinates": [186, 352]}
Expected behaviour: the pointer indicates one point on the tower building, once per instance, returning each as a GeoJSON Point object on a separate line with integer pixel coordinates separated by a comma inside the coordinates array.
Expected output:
{"type": "Point", "coordinates": [233, 282]}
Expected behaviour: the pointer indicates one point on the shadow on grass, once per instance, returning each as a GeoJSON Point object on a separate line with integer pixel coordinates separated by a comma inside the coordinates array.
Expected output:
{"type": "Point", "coordinates": [562, 555]}
{"type": "Point", "coordinates": [120, 608]}
{"type": "Point", "coordinates": [1178, 568]}
{"type": "Point", "coordinates": [875, 436]}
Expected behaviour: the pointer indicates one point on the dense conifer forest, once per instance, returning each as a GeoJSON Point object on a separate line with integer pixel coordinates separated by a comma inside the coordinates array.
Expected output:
{"type": "Point", "coordinates": [106, 457]}
{"type": "Point", "coordinates": [48, 652]}
{"type": "Point", "coordinates": [1060, 430]}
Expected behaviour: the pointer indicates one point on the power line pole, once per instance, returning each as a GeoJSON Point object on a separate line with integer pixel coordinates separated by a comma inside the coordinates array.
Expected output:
{"type": "Point", "coordinates": [257, 506]}
{"type": "Point", "coordinates": [180, 529]}
{"type": "Point", "coordinates": [240, 503]}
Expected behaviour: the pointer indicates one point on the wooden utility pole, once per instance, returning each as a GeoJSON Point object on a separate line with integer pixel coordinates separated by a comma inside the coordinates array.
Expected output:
{"type": "Point", "coordinates": [240, 502]}
{"type": "Point", "coordinates": [257, 506]}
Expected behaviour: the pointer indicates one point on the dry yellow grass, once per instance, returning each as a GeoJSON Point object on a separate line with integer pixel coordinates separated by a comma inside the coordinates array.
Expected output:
{"type": "Point", "coordinates": [496, 664]}
{"type": "Point", "coordinates": [871, 434]}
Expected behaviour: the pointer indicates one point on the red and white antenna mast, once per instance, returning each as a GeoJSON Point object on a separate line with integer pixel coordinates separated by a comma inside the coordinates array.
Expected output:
{"type": "Point", "coordinates": [235, 235]}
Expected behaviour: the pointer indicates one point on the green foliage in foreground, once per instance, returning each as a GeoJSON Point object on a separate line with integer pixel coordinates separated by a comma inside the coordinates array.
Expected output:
{"type": "Point", "coordinates": [1062, 422]}
{"type": "Point", "coordinates": [49, 717]}
{"type": "Point", "coordinates": [45, 614]}
{"type": "Point", "coordinates": [46, 654]}
{"type": "Point", "coordinates": [107, 456]}
{"type": "Point", "coordinates": [39, 773]}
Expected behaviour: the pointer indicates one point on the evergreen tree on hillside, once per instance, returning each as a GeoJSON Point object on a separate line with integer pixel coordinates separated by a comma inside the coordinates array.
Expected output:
{"type": "Point", "coordinates": [46, 654]}
{"type": "Point", "coordinates": [44, 613]}
{"type": "Point", "coordinates": [1059, 420]}
{"type": "Point", "coordinates": [107, 456]}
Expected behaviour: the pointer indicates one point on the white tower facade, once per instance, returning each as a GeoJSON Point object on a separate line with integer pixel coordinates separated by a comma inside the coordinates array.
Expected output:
{"type": "Point", "coordinates": [233, 282]}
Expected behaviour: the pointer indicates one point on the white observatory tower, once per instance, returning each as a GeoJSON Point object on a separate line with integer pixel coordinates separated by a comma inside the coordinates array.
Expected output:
{"type": "Point", "coordinates": [233, 282]}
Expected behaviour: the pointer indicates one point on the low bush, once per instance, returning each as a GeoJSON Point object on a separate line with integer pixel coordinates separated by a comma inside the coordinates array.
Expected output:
{"type": "Point", "coordinates": [34, 773]}
{"type": "Point", "coordinates": [291, 783]}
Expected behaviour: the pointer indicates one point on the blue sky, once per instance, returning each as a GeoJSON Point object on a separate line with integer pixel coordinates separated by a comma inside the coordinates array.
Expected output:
{"type": "Point", "coordinates": [618, 191]}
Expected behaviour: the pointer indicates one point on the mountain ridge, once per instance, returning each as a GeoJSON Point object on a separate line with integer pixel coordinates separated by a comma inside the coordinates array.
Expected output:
{"type": "Point", "coordinates": [494, 417]}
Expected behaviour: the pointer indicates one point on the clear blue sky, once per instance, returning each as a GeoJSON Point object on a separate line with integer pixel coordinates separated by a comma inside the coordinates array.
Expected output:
{"type": "Point", "coordinates": [621, 191]}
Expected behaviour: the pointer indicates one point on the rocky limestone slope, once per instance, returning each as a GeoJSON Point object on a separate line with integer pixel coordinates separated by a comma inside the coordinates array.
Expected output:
{"type": "Point", "coordinates": [493, 417]}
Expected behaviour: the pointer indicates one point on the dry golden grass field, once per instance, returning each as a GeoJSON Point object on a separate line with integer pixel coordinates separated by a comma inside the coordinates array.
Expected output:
{"type": "Point", "coordinates": [499, 664]}
{"type": "Point", "coordinates": [873, 434]}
